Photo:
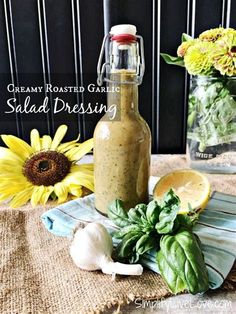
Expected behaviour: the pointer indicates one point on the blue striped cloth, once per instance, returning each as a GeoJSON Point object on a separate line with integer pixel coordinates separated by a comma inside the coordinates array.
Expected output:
{"type": "Point", "coordinates": [216, 229]}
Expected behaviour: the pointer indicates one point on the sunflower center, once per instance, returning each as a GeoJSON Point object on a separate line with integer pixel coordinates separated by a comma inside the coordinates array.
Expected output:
{"type": "Point", "coordinates": [233, 49]}
{"type": "Point", "coordinates": [44, 165]}
{"type": "Point", "coordinates": [46, 168]}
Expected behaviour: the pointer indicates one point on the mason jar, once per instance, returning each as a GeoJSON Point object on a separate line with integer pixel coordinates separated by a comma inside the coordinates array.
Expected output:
{"type": "Point", "coordinates": [211, 124]}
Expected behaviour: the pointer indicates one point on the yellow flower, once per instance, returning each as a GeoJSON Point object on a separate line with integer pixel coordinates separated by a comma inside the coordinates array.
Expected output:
{"type": "Point", "coordinates": [183, 48]}
{"type": "Point", "coordinates": [228, 31]}
{"type": "Point", "coordinates": [197, 59]}
{"type": "Point", "coordinates": [212, 35]}
{"type": "Point", "coordinates": [224, 54]}
{"type": "Point", "coordinates": [34, 172]}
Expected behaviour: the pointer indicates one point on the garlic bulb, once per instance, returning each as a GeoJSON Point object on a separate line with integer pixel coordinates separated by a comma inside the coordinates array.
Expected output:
{"type": "Point", "coordinates": [91, 249]}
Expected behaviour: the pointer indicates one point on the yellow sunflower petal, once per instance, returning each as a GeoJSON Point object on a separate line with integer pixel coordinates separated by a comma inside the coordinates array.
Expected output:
{"type": "Point", "coordinates": [5, 196]}
{"type": "Point", "coordinates": [87, 166]}
{"type": "Point", "coordinates": [10, 168]}
{"type": "Point", "coordinates": [79, 170]}
{"type": "Point", "coordinates": [80, 178]}
{"type": "Point", "coordinates": [79, 167]}
{"type": "Point", "coordinates": [46, 142]}
{"type": "Point", "coordinates": [61, 191]}
{"type": "Point", "coordinates": [7, 155]}
{"type": "Point", "coordinates": [60, 133]}
{"type": "Point", "coordinates": [21, 198]}
{"type": "Point", "coordinates": [62, 148]}
{"type": "Point", "coordinates": [18, 146]}
{"type": "Point", "coordinates": [77, 153]}
{"type": "Point", "coordinates": [35, 140]}
{"type": "Point", "coordinates": [84, 173]}
{"type": "Point", "coordinates": [37, 194]}
{"type": "Point", "coordinates": [75, 190]}
{"type": "Point", "coordinates": [10, 163]}
{"type": "Point", "coordinates": [8, 187]}
{"type": "Point", "coordinates": [45, 196]}
{"type": "Point", "coordinates": [67, 148]}
{"type": "Point", "coordinates": [13, 178]}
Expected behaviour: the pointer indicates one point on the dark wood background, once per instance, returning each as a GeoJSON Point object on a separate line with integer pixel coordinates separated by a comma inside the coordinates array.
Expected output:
{"type": "Point", "coordinates": [58, 42]}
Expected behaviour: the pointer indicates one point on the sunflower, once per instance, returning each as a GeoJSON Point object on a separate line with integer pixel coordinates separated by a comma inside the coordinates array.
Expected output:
{"type": "Point", "coordinates": [43, 169]}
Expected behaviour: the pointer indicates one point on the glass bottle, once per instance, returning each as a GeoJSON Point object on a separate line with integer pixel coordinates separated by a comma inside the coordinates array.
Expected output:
{"type": "Point", "coordinates": [122, 139]}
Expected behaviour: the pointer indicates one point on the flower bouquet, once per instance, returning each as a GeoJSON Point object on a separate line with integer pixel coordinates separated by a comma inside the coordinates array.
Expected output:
{"type": "Point", "coordinates": [211, 60]}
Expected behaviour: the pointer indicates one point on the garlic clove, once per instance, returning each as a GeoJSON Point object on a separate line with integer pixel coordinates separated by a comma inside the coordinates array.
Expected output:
{"type": "Point", "coordinates": [122, 269]}
{"type": "Point", "coordinates": [91, 250]}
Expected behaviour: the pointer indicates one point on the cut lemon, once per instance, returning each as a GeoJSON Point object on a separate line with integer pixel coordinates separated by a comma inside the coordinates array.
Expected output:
{"type": "Point", "coordinates": [191, 186]}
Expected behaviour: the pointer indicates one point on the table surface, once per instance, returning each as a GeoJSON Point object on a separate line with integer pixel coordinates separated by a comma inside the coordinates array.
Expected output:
{"type": "Point", "coordinates": [212, 302]}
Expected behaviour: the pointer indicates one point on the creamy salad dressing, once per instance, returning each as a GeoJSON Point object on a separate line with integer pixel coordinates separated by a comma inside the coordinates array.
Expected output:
{"type": "Point", "coordinates": [122, 149]}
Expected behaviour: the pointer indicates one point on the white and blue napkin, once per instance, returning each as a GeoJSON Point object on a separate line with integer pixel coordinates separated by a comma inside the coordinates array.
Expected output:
{"type": "Point", "coordinates": [216, 228]}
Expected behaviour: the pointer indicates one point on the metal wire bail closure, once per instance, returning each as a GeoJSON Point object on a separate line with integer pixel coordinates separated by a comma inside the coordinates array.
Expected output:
{"type": "Point", "coordinates": [105, 67]}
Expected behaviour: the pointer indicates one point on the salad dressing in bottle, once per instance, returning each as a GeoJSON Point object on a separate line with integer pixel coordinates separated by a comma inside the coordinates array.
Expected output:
{"type": "Point", "coordinates": [122, 139]}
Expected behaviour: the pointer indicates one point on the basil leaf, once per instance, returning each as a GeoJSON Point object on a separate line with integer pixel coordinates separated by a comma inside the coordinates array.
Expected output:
{"type": "Point", "coordinates": [171, 277]}
{"type": "Point", "coordinates": [145, 222]}
{"type": "Point", "coordinates": [134, 215]}
{"type": "Point", "coordinates": [122, 232]}
{"type": "Point", "coordinates": [145, 243]}
{"type": "Point", "coordinates": [125, 249]}
{"type": "Point", "coordinates": [141, 209]}
{"type": "Point", "coordinates": [168, 221]}
{"type": "Point", "coordinates": [117, 213]}
{"type": "Point", "coordinates": [153, 211]}
{"type": "Point", "coordinates": [173, 60]}
{"type": "Point", "coordinates": [134, 258]}
{"type": "Point", "coordinates": [188, 220]}
{"type": "Point", "coordinates": [184, 257]}
{"type": "Point", "coordinates": [198, 241]}
{"type": "Point", "coordinates": [170, 198]}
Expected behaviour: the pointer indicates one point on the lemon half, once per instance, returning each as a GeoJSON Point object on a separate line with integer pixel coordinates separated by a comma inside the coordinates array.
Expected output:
{"type": "Point", "coordinates": [191, 186]}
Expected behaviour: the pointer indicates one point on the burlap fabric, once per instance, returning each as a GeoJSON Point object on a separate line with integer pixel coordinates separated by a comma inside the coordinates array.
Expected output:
{"type": "Point", "coordinates": [38, 275]}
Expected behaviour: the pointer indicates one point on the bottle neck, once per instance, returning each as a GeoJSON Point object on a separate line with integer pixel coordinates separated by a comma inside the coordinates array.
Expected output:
{"type": "Point", "coordinates": [124, 61]}
{"type": "Point", "coordinates": [124, 96]}
{"type": "Point", "coordinates": [124, 56]}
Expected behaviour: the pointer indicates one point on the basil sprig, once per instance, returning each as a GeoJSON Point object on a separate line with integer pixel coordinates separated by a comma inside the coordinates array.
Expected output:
{"type": "Point", "coordinates": [138, 234]}
{"type": "Point", "coordinates": [158, 226]}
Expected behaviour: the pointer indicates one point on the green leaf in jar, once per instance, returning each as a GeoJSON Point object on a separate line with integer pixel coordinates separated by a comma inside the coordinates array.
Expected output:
{"type": "Point", "coordinates": [118, 214]}
{"type": "Point", "coordinates": [192, 118]}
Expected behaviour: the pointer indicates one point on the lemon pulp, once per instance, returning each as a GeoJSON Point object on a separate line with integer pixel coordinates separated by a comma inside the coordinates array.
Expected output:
{"type": "Point", "coordinates": [191, 186]}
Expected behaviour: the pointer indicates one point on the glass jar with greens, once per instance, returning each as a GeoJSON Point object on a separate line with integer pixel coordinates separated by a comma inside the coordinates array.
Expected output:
{"type": "Point", "coordinates": [211, 58]}
{"type": "Point", "coordinates": [211, 136]}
